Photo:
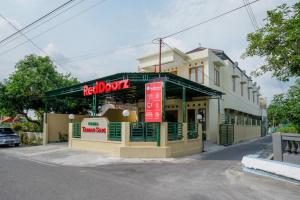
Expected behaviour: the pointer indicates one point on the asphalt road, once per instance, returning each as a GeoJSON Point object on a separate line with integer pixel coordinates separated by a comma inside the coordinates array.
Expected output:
{"type": "Point", "coordinates": [236, 152]}
{"type": "Point", "coordinates": [211, 178]}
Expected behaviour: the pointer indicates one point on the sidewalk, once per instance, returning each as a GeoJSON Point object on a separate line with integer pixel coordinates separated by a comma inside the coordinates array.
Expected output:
{"type": "Point", "coordinates": [61, 154]}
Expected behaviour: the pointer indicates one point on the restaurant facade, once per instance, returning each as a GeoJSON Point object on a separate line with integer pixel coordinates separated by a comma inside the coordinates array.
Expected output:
{"type": "Point", "coordinates": [132, 115]}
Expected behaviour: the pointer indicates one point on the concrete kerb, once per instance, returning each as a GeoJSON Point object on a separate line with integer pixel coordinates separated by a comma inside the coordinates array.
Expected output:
{"type": "Point", "coordinates": [273, 169]}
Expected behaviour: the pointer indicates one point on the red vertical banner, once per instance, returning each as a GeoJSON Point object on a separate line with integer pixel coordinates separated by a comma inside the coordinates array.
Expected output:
{"type": "Point", "coordinates": [153, 102]}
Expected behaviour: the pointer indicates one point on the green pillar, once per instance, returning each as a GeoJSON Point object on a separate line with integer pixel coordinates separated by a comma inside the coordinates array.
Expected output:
{"type": "Point", "coordinates": [94, 106]}
{"type": "Point", "coordinates": [164, 102]}
{"type": "Point", "coordinates": [183, 105]}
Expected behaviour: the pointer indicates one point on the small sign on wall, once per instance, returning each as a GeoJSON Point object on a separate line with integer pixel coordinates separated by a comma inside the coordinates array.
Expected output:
{"type": "Point", "coordinates": [94, 129]}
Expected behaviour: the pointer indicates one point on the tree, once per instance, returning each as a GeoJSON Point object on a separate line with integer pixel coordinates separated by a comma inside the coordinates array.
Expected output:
{"type": "Point", "coordinates": [285, 107]}
{"type": "Point", "coordinates": [278, 42]}
{"type": "Point", "coordinates": [25, 89]}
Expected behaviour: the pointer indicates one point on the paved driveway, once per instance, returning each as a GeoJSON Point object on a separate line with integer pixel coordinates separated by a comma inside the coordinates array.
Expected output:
{"type": "Point", "coordinates": [206, 177]}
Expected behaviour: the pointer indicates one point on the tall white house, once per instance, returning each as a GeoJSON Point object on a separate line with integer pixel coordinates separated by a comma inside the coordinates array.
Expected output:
{"type": "Point", "coordinates": [241, 105]}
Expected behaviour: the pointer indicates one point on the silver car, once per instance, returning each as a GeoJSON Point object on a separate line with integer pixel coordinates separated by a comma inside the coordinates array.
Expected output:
{"type": "Point", "coordinates": [8, 137]}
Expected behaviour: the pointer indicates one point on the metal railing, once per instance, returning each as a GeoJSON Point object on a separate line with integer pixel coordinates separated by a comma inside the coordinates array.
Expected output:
{"type": "Point", "coordinates": [76, 130]}
{"type": "Point", "coordinates": [114, 131]}
{"type": "Point", "coordinates": [144, 131]}
{"type": "Point", "coordinates": [192, 130]}
{"type": "Point", "coordinates": [174, 131]}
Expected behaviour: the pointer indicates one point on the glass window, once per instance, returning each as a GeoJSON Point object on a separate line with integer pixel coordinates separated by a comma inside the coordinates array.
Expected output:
{"type": "Point", "coordinates": [197, 74]}
{"type": "Point", "coordinates": [248, 94]}
{"type": "Point", "coordinates": [242, 89]}
{"type": "Point", "coordinates": [253, 98]}
{"type": "Point", "coordinates": [200, 74]}
{"type": "Point", "coordinates": [233, 84]}
{"type": "Point", "coordinates": [216, 77]}
{"type": "Point", "coordinates": [193, 74]}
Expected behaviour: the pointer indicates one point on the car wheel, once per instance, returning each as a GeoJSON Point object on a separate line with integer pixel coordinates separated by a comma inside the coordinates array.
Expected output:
{"type": "Point", "coordinates": [17, 144]}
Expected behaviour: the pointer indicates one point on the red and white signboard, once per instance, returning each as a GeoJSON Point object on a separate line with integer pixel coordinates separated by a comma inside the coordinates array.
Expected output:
{"type": "Point", "coordinates": [153, 102]}
{"type": "Point", "coordinates": [94, 129]}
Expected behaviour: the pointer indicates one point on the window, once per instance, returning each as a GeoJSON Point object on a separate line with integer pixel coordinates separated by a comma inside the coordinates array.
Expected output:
{"type": "Point", "coordinates": [242, 89]}
{"type": "Point", "coordinates": [253, 98]}
{"type": "Point", "coordinates": [233, 84]}
{"type": "Point", "coordinates": [248, 94]}
{"type": "Point", "coordinates": [197, 74]}
{"type": "Point", "coordinates": [193, 74]}
{"type": "Point", "coordinates": [257, 100]}
{"type": "Point", "coordinates": [217, 77]}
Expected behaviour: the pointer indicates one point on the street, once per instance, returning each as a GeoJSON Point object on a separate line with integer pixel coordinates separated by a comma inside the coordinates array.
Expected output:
{"type": "Point", "coordinates": [216, 175]}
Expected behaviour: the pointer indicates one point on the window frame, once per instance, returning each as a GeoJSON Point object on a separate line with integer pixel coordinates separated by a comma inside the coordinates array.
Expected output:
{"type": "Point", "coordinates": [233, 84]}
{"type": "Point", "coordinates": [196, 68]}
{"type": "Point", "coordinates": [242, 89]}
{"type": "Point", "coordinates": [216, 76]}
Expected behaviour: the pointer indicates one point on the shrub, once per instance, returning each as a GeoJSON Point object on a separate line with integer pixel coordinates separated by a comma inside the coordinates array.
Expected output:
{"type": "Point", "coordinates": [289, 129]}
{"type": "Point", "coordinates": [17, 127]}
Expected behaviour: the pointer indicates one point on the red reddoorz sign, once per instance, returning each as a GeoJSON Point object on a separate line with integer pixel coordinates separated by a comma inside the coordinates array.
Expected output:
{"type": "Point", "coordinates": [102, 87]}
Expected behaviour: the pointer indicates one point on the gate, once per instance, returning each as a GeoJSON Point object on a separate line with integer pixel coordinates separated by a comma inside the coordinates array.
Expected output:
{"type": "Point", "coordinates": [226, 132]}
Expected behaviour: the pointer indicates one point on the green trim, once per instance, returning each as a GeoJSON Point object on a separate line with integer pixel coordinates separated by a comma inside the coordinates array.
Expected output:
{"type": "Point", "coordinates": [94, 106]}
{"type": "Point", "coordinates": [77, 130]}
{"type": "Point", "coordinates": [144, 131]}
{"type": "Point", "coordinates": [137, 81]}
{"type": "Point", "coordinates": [114, 131]}
{"type": "Point", "coordinates": [183, 105]}
{"type": "Point", "coordinates": [192, 131]}
{"type": "Point", "coordinates": [174, 131]}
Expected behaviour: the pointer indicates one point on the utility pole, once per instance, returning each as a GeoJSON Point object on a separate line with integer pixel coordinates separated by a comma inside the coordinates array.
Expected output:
{"type": "Point", "coordinates": [159, 62]}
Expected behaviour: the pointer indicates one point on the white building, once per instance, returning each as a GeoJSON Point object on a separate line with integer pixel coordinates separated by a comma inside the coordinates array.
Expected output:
{"type": "Point", "coordinates": [241, 105]}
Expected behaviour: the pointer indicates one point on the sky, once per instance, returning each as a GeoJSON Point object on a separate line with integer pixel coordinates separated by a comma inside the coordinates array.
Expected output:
{"type": "Point", "coordinates": [96, 38]}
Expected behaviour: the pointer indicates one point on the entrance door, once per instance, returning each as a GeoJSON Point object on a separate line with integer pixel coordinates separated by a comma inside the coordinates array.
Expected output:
{"type": "Point", "coordinates": [172, 116]}
{"type": "Point", "coordinates": [191, 116]}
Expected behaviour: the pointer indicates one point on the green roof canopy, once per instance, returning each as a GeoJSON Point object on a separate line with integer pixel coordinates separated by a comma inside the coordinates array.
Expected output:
{"type": "Point", "coordinates": [135, 92]}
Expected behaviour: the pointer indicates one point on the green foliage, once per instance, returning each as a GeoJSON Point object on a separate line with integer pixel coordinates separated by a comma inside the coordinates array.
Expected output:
{"type": "Point", "coordinates": [289, 129]}
{"type": "Point", "coordinates": [32, 140]}
{"type": "Point", "coordinates": [25, 89]}
{"type": "Point", "coordinates": [285, 108]}
{"type": "Point", "coordinates": [26, 126]}
{"type": "Point", "coordinates": [278, 41]}
{"type": "Point", "coordinates": [17, 127]}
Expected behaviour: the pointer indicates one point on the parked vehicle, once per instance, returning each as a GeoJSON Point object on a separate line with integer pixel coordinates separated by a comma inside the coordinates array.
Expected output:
{"type": "Point", "coordinates": [8, 137]}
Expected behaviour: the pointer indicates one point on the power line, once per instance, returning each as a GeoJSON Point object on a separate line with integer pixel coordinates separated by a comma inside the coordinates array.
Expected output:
{"type": "Point", "coordinates": [85, 57]}
{"type": "Point", "coordinates": [33, 43]}
{"type": "Point", "coordinates": [251, 14]}
{"type": "Point", "coordinates": [251, 11]}
{"type": "Point", "coordinates": [38, 25]}
{"type": "Point", "coordinates": [53, 27]}
{"type": "Point", "coordinates": [37, 20]}
{"type": "Point", "coordinates": [206, 21]}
